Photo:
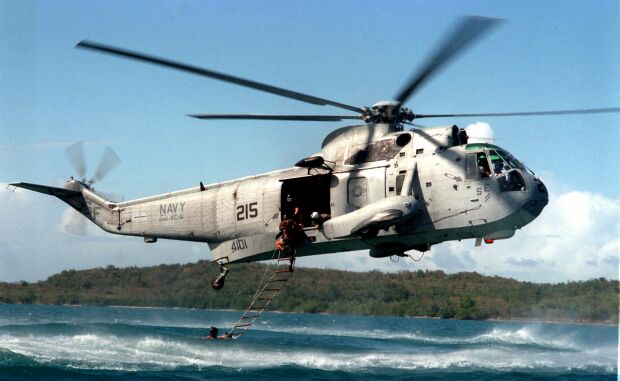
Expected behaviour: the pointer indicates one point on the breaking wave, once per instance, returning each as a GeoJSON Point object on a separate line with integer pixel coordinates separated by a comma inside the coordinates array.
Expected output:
{"type": "Point", "coordinates": [134, 352]}
{"type": "Point", "coordinates": [74, 342]}
{"type": "Point", "coordinates": [522, 336]}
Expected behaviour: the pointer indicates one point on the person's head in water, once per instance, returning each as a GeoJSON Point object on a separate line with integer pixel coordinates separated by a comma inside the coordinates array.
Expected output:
{"type": "Point", "coordinates": [213, 331]}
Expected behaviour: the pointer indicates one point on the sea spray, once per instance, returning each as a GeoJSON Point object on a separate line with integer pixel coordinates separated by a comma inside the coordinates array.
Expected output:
{"type": "Point", "coordinates": [110, 342]}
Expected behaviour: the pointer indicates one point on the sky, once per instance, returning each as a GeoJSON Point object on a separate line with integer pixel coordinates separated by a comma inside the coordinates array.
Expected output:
{"type": "Point", "coordinates": [546, 55]}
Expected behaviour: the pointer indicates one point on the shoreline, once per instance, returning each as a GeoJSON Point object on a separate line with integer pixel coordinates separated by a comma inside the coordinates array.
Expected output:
{"type": "Point", "coordinates": [435, 294]}
{"type": "Point", "coordinates": [508, 319]}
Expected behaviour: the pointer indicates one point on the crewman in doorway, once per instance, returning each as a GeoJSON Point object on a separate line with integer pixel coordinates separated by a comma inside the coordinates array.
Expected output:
{"type": "Point", "coordinates": [315, 217]}
{"type": "Point", "coordinates": [296, 216]}
{"type": "Point", "coordinates": [291, 235]}
{"type": "Point", "coordinates": [318, 218]}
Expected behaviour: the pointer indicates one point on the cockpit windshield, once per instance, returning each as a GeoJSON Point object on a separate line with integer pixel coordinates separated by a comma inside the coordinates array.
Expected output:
{"type": "Point", "coordinates": [503, 161]}
{"type": "Point", "coordinates": [504, 167]}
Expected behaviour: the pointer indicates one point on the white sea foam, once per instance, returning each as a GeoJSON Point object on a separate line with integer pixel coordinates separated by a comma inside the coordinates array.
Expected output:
{"type": "Point", "coordinates": [519, 336]}
{"type": "Point", "coordinates": [522, 336]}
{"type": "Point", "coordinates": [105, 351]}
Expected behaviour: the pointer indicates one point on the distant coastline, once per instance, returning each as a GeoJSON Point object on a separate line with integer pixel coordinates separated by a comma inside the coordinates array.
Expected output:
{"type": "Point", "coordinates": [430, 294]}
{"type": "Point", "coordinates": [508, 320]}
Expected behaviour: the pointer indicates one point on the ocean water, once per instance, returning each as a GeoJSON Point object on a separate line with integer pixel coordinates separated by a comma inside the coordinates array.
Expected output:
{"type": "Point", "coordinates": [118, 343]}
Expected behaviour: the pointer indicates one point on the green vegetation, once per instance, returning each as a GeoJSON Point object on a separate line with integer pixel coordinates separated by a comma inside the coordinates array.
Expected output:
{"type": "Point", "coordinates": [419, 293]}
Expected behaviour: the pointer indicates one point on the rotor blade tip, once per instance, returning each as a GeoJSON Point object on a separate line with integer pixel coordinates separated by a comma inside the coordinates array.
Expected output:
{"type": "Point", "coordinates": [484, 18]}
{"type": "Point", "coordinates": [82, 44]}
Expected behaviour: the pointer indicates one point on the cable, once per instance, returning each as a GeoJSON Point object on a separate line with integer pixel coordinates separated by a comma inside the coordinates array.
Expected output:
{"type": "Point", "coordinates": [419, 259]}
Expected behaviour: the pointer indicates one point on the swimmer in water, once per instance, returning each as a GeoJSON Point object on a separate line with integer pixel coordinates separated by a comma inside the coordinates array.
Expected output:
{"type": "Point", "coordinates": [213, 334]}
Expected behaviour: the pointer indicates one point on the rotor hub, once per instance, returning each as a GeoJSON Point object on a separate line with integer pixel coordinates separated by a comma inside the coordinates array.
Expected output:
{"type": "Point", "coordinates": [77, 184]}
{"type": "Point", "coordinates": [387, 112]}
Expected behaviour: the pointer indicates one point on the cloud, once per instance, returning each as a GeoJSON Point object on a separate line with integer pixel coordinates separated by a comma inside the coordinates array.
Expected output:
{"type": "Point", "coordinates": [480, 132]}
{"type": "Point", "coordinates": [584, 230]}
{"type": "Point", "coordinates": [575, 238]}
{"type": "Point", "coordinates": [524, 262]}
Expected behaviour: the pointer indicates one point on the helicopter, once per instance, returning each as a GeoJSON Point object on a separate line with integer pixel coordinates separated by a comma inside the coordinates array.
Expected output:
{"type": "Point", "coordinates": [374, 185]}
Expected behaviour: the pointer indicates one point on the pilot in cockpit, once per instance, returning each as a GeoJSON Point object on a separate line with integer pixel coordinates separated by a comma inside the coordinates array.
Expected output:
{"type": "Point", "coordinates": [483, 165]}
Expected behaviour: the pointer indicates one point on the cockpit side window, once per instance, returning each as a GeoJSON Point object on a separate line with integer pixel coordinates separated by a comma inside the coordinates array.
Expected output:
{"type": "Point", "coordinates": [477, 166]}
{"type": "Point", "coordinates": [483, 164]}
{"type": "Point", "coordinates": [471, 167]}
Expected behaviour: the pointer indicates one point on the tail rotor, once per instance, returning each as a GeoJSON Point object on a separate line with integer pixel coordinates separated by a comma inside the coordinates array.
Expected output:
{"type": "Point", "coordinates": [109, 160]}
{"type": "Point", "coordinates": [73, 222]}
{"type": "Point", "coordinates": [75, 154]}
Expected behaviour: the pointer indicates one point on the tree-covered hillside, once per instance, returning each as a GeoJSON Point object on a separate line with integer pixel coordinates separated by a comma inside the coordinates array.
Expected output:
{"type": "Point", "coordinates": [419, 293]}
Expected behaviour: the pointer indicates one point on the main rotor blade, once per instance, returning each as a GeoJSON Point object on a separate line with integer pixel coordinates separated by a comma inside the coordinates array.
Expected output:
{"type": "Point", "coordinates": [213, 74]}
{"type": "Point", "coordinates": [526, 113]}
{"type": "Point", "coordinates": [466, 32]}
{"type": "Point", "coordinates": [308, 118]}
{"type": "Point", "coordinates": [75, 153]}
{"type": "Point", "coordinates": [109, 161]}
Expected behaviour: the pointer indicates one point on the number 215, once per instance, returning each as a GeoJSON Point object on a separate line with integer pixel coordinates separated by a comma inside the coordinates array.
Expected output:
{"type": "Point", "coordinates": [247, 211]}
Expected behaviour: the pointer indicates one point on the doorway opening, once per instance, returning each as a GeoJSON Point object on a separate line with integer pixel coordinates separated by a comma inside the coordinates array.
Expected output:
{"type": "Point", "coordinates": [309, 194]}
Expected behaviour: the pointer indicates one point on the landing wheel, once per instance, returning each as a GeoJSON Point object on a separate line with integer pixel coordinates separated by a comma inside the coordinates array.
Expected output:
{"type": "Point", "coordinates": [218, 282]}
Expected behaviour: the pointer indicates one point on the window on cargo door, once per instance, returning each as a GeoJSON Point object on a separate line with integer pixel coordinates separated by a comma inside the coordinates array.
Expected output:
{"type": "Point", "coordinates": [357, 192]}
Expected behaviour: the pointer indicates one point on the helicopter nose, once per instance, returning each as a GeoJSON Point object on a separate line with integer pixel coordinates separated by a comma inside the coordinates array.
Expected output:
{"type": "Point", "coordinates": [543, 193]}
{"type": "Point", "coordinates": [539, 198]}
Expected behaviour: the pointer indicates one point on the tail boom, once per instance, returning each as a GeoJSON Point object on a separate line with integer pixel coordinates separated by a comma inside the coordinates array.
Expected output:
{"type": "Point", "coordinates": [82, 199]}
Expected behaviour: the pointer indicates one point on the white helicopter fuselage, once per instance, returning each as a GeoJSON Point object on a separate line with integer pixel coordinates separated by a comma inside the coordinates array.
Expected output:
{"type": "Point", "coordinates": [382, 190]}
